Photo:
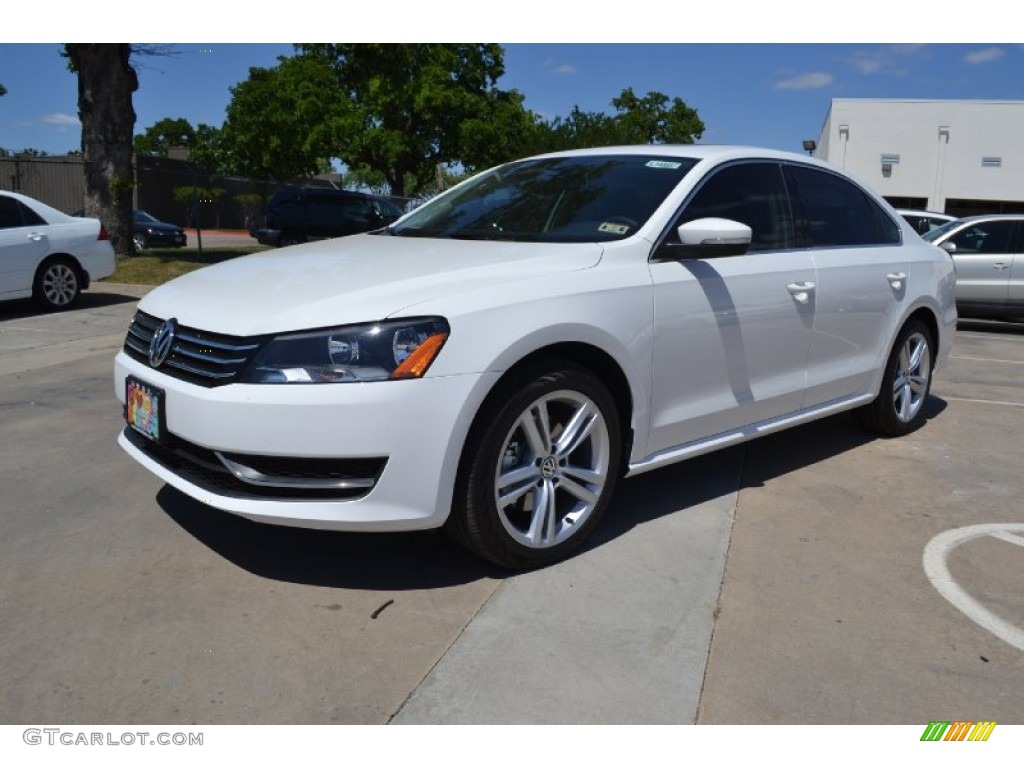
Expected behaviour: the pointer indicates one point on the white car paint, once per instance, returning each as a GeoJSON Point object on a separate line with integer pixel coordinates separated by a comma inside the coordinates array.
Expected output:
{"type": "Point", "coordinates": [714, 351]}
{"type": "Point", "coordinates": [23, 249]}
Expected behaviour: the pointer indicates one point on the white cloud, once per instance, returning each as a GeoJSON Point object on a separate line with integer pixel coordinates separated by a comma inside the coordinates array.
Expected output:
{"type": "Point", "coordinates": [884, 60]}
{"type": "Point", "coordinates": [559, 69]}
{"type": "Point", "coordinates": [61, 120]}
{"type": "Point", "coordinates": [984, 56]}
{"type": "Point", "coordinates": [806, 82]}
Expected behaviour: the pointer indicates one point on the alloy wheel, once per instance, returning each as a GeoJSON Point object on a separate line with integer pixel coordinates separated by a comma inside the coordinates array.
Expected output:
{"type": "Point", "coordinates": [552, 469]}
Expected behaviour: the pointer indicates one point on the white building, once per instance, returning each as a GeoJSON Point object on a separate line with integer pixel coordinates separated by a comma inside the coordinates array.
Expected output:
{"type": "Point", "coordinates": [957, 157]}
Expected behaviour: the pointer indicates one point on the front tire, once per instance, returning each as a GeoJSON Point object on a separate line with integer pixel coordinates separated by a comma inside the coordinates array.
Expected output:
{"type": "Point", "coordinates": [539, 468]}
{"type": "Point", "coordinates": [906, 383]}
{"type": "Point", "coordinates": [57, 286]}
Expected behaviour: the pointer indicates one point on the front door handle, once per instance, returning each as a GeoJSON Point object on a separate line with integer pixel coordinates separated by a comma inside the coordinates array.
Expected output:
{"type": "Point", "coordinates": [1000, 265]}
{"type": "Point", "coordinates": [801, 291]}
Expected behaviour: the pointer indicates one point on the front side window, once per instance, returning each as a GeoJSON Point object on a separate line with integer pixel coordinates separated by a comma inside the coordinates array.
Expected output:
{"type": "Point", "coordinates": [985, 237]}
{"type": "Point", "coordinates": [750, 193]}
{"type": "Point", "coordinates": [832, 211]}
{"type": "Point", "coordinates": [556, 199]}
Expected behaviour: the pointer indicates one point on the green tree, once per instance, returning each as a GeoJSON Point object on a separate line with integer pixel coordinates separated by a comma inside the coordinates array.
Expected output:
{"type": "Point", "coordinates": [106, 82]}
{"type": "Point", "coordinates": [652, 119]}
{"type": "Point", "coordinates": [3, 91]}
{"type": "Point", "coordinates": [506, 131]}
{"type": "Point", "coordinates": [164, 134]}
{"type": "Point", "coordinates": [280, 122]}
{"type": "Point", "coordinates": [403, 107]}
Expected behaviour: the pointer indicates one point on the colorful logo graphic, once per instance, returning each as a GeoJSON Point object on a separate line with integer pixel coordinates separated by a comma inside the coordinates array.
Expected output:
{"type": "Point", "coordinates": [958, 730]}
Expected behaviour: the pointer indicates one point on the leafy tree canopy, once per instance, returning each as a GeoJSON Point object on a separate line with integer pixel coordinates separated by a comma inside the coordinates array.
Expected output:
{"type": "Point", "coordinates": [651, 119]}
{"type": "Point", "coordinates": [279, 122]}
{"type": "Point", "coordinates": [403, 107]}
{"type": "Point", "coordinates": [164, 134]}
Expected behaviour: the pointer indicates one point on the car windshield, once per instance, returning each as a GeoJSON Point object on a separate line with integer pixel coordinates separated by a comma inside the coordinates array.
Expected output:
{"type": "Point", "coordinates": [144, 217]}
{"type": "Point", "coordinates": [553, 199]}
{"type": "Point", "coordinates": [938, 232]}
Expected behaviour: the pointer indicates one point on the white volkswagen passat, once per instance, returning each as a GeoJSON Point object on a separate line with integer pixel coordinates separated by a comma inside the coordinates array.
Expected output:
{"type": "Point", "coordinates": [495, 360]}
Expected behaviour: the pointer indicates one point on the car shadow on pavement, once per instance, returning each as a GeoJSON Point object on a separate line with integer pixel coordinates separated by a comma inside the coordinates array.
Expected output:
{"type": "Point", "coordinates": [430, 560]}
{"type": "Point", "coordinates": [21, 308]}
{"type": "Point", "coordinates": [684, 486]}
{"type": "Point", "coordinates": [1009, 327]}
{"type": "Point", "coordinates": [383, 561]}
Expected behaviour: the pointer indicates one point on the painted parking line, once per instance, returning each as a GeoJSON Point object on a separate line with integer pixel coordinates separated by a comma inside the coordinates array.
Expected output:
{"type": "Point", "coordinates": [987, 359]}
{"type": "Point", "coordinates": [982, 401]}
{"type": "Point", "coordinates": [934, 561]}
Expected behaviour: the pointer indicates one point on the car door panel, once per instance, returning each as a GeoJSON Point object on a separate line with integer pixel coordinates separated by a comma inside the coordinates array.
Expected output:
{"type": "Point", "coordinates": [859, 302]}
{"type": "Point", "coordinates": [984, 257]}
{"type": "Point", "coordinates": [22, 247]}
{"type": "Point", "coordinates": [731, 343]}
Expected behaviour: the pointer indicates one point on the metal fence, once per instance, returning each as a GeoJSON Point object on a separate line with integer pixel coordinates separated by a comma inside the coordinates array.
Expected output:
{"type": "Point", "coordinates": [210, 201]}
{"type": "Point", "coordinates": [57, 181]}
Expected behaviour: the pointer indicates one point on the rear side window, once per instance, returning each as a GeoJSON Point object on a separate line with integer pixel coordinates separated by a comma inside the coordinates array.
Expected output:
{"type": "Point", "coordinates": [750, 193]}
{"type": "Point", "coordinates": [832, 211]}
{"type": "Point", "coordinates": [15, 214]}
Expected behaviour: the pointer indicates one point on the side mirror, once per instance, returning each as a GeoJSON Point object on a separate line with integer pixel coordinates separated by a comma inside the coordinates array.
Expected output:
{"type": "Point", "coordinates": [708, 239]}
{"type": "Point", "coordinates": [949, 247]}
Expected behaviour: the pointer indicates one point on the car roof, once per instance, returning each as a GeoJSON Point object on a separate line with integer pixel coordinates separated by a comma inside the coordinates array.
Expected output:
{"type": "Point", "coordinates": [912, 212]}
{"type": "Point", "coordinates": [694, 151]}
{"type": "Point", "coordinates": [992, 217]}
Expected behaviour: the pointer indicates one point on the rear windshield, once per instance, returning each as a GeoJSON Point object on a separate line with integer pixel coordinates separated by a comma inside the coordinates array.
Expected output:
{"type": "Point", "coordinates": [560, 199]}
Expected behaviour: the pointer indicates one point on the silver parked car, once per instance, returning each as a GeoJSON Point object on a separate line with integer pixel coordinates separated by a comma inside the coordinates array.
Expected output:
{"type": "Point", "coordinates": [925, 221]}
{"type": "Point", "coordinates": [989, 255]}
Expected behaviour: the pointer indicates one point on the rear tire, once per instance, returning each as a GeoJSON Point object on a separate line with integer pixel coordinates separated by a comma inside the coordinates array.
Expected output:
{"type": "Point", "coordinates": [539, 467]}
{"type": "Point", "coordinates": [906, 383]}
{"type": "Point", "coordinates": [58, 284]}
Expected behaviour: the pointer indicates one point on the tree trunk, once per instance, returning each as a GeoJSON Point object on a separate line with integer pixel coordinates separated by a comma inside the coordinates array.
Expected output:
{"type": "Point", "coordinates": [106, 82]}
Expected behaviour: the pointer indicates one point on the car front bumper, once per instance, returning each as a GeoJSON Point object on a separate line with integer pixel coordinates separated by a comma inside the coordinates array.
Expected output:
{"type": "Point", "coordinates": [417, 427]}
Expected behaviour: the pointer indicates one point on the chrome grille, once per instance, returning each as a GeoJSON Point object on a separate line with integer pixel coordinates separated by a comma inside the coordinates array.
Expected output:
{"type": "Point", "coordinates": [201, 357]}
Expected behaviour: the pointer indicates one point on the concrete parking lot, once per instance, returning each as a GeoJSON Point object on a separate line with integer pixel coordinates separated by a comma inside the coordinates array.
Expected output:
{"type": "Point", "coordinates": [815, 576]}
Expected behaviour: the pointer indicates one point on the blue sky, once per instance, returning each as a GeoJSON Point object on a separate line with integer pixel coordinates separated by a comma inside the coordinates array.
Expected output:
{"type": "Point", "coordinates": [772, 94]}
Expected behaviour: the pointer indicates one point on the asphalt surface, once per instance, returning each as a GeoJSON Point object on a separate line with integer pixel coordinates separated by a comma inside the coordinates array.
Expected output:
{"type": "Point", "coordinates": [785, 581]}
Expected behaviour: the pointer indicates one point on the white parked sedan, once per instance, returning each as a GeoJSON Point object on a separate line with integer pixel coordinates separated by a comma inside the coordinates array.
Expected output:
{"type": "Point", "coordinates": [495, 360]}
{"type": "Point", "coordinates": [47, 254]}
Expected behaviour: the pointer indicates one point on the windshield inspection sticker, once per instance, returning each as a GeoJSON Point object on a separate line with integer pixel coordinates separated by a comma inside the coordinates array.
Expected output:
{"type": "Point", "coordinates": [663, 164]}
{"type": "Point", "coordinates": [613, 229]}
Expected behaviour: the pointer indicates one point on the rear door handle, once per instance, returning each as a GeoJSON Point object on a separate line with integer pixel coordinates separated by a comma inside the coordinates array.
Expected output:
{"type": "Point", "coordinates": [1000, 265]}
{"type": "Point", "coordinates": [896, 279]}
{"type": "Point", "coordinates": [36, 236]}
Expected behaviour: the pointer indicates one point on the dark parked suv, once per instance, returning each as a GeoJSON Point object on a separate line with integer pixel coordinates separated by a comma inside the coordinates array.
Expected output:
{"type": "Point", "coordinates": [295, 215]}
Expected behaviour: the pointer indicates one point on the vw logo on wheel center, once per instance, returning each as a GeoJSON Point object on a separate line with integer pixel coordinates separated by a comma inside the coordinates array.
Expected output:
{"type": "Point", "coordinates": [163, 340]}
{"type": "Point", "coordinates": [549, 467]}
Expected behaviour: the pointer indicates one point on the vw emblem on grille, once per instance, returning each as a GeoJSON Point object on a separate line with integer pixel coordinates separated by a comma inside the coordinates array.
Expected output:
{"type": "Point", "coordinates": [163, 340]}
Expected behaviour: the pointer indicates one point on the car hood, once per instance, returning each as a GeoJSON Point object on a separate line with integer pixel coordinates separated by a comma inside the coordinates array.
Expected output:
{"type": "Point", "coordinates": [160, 226]}
{"type": "Point", "coordinates": [351, 280]}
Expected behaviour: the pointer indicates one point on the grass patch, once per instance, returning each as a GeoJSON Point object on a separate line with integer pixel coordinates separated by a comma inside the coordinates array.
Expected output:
{"type": "Point", "coordinates": [158, 265]}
